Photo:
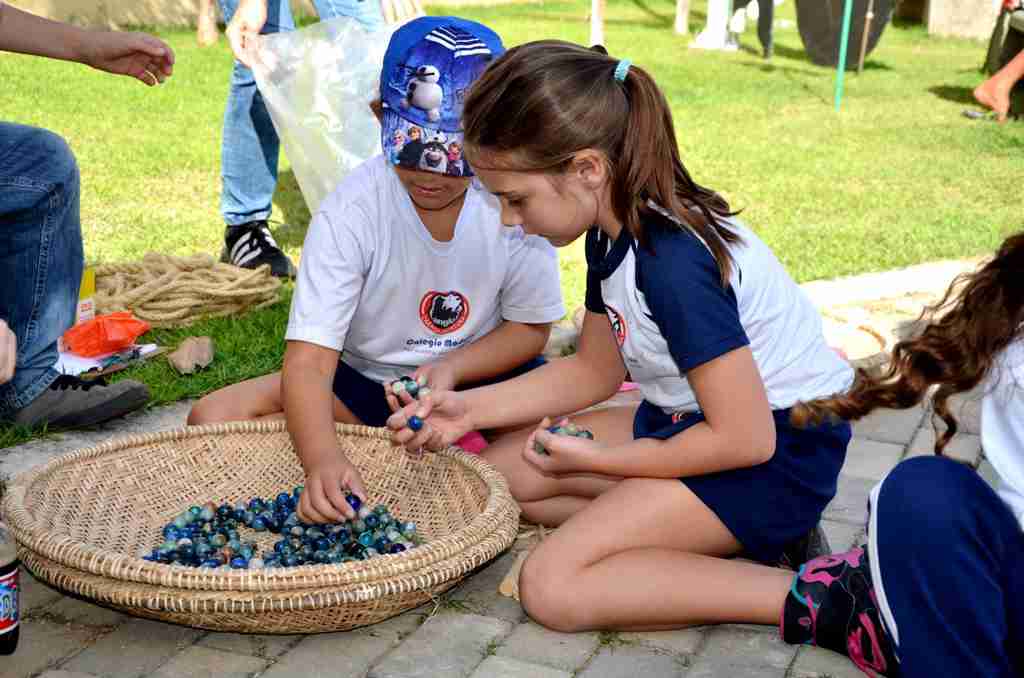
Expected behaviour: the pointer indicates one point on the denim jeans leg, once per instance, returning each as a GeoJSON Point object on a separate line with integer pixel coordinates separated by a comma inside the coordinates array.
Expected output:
{"type": "Point", "coordinates": [249, 145]}
{"type": "Point", "coordinates": [368, 12]}
{"type": "Point", "coordinates": [40, 254]}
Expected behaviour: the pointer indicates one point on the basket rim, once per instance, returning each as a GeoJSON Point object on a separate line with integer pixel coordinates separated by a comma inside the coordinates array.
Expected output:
{"type": "Point", "coordinates": [82, 556]}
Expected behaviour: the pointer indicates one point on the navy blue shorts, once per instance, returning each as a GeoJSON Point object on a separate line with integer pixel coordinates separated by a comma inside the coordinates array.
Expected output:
{"type": "Point", "coordinates": [365, 398]}
{"type": "Point", "coordinates": [771, 505]}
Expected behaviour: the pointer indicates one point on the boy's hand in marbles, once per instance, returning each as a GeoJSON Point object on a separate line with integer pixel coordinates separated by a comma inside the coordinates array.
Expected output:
{"type": "Point", "coordinates": [434, 422]}
{"type": "Point", "coordinates": [327, 483]}
{"type": "Point", "coordinates": [561, 449]}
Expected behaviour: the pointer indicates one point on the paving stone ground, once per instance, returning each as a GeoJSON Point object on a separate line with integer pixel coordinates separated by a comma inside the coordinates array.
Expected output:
{"type": "Point", "coordinates": [474, 632]}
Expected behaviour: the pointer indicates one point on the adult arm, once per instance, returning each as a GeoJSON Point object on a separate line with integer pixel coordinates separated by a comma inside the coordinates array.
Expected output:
{"type": "Point", "coordinates": [131, 54]}
{"type": "Point", "coordinates": [244, 28]}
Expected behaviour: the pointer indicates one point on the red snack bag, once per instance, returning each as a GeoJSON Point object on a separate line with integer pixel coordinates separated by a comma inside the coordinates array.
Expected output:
{"type": "Point", "coordinates": [104, 334]}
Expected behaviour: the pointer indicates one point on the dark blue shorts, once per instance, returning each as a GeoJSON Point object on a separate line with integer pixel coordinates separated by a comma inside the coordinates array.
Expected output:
{"type": "Point", "coordinates": [768, 506]}
{"type": "Point", "coordinates": [365, 398]}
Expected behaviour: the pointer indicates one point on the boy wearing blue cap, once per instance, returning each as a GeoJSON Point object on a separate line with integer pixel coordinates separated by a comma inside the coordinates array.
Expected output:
{"type": "Point", "coordinates": [406, 270]}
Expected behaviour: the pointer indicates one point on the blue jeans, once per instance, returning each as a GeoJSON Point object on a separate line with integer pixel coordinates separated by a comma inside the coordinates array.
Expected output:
{"type": "Point", "coordinates": [250, 145]}
{"type": "Point", "coordinates": [40, 254]}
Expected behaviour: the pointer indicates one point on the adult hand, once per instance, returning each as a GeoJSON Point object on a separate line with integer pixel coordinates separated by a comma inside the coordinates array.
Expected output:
{"type": "Point", "coordinates": [8, 352]}
{"type": "Point", "coordinates": [323, 497]}
{"type": "Point", "coordinates": [138, 55]}
{"type": "Point", "coordinates": [244, 29]}
{"type": "Point", "coordinates": [565, 454]}
{"type": "Point", "coordinates": [445, 417]}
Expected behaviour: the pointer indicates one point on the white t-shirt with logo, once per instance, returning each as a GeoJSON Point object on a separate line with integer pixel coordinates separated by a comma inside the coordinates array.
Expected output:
{"type": "Point", "coordinates": [671, 313]}
{"type": "Point", "coordinates": [1002, 424]}
{"type": "Point", "coordinates": [375, 285]}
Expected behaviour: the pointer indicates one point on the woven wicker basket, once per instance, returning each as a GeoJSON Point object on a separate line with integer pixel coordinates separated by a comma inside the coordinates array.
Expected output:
{"type": "Point", "coordinates": [82, 520]}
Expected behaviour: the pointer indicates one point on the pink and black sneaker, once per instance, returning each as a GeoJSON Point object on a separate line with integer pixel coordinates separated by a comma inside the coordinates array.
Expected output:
{"type": "Point", "coordinates": [832, 604]}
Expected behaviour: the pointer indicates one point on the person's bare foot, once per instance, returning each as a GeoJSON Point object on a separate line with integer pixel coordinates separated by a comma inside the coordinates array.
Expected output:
{"type": "Point", "coordinates": [994, 95]}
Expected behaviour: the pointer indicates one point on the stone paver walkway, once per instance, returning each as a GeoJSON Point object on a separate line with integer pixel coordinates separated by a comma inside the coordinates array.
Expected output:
{"type": "Point", "coordinates": [473, 630]}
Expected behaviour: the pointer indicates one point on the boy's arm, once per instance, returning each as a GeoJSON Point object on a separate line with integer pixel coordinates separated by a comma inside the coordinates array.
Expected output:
{"type": "Point", "coordinates": [306, 383]}
{"type": "Point", "coordinates": [501, 350]}
{"type": "Point", "coordinates": [131, 54]}
{"type": "Point", "coordinates": [566, 385]}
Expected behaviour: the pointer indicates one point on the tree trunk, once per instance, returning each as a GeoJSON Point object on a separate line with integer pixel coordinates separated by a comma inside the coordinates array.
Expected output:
{"type": "Point", "coordinates": [597, 22]}
{"type": "Point", "coordinates": [682, 26]}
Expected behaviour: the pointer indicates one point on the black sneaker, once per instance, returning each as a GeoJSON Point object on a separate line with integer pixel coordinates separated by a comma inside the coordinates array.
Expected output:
{"type": "Point", "coordinates": [812, 545]}
{"type": "Point", "coordinates": [832, 604]}
{"type": "Point", "coordinates": [71, 402]}
{"type": "Point", "coordinates": [251, 245]}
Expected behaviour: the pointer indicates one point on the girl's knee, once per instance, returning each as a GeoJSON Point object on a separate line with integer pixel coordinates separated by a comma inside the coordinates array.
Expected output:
{"type": "Point", "coordinates": [207, 411]}
{"type": "Point", "coordinates": [545, 591]}
{"type": "Point", "coordinates": [932, 489]}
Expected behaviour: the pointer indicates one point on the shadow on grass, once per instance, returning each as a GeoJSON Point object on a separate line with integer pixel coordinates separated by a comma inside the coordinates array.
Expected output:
{"type": "Point", "coordinates": [955, 93]}
{"type": "Point", "coordinates": [294, 212]}
{"type": "Point", "coordinates": [664, 19]}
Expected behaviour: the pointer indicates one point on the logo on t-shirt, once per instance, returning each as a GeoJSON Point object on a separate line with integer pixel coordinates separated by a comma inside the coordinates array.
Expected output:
{"type": "Point", "coordinates": [618, 324]}
{"type": "Point", "coordinates": [444, 312]}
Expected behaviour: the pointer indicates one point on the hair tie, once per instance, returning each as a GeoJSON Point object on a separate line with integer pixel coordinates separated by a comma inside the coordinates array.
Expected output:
{"type": "Point", "coordinates": [622, 69]}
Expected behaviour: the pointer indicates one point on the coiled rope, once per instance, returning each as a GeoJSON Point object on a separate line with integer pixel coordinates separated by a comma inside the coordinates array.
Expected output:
{"type": "Point", "coordinates": [168, 291]}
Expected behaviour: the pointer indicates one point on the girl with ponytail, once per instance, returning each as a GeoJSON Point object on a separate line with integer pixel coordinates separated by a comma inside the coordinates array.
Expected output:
{"type": "Point", "coordinates": [698, 311]}
{"type": "Point", "coordinates": [940, 577]}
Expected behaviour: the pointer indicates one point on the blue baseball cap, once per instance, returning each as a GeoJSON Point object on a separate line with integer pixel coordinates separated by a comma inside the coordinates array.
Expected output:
{"type": "Point", "coordinates": [428, 68]}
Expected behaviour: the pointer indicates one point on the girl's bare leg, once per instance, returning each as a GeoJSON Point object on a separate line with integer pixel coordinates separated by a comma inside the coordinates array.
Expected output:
{"type": "Point", "coordinates": [258, 398]}
{"type": "Point", "coordinates": [206, 28]}
{"type": "Point", "coordinates": [548, 500]}
{"type": "Point", "coordinates": [646, 554]}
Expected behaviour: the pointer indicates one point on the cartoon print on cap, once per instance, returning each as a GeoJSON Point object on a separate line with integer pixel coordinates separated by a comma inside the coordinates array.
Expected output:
{"type": "Point", "coordinates": [423, 92]}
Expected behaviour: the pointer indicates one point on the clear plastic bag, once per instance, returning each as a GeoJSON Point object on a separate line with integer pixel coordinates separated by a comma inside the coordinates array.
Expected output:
{"type": "Point", "coordinates": [318, 83]}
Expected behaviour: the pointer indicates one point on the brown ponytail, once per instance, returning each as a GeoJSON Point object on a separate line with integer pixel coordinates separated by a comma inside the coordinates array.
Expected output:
{"type": "Point", "coordinates": [542, 102]}
{"type": "Point", "coordinates": [979, 316]}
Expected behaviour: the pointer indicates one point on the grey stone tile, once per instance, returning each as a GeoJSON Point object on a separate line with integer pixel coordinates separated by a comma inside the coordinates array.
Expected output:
{"type": "Point", "coordinates": [21, 458]}
{"type": "Point", "coordinates": [890, 426]}
{"type": "Point", "coordinates": [270, 647]}
{"type": "Point", "coordinates": [966, 408]}
{"type": "Point", "coordinates": [69, 609]}
{"type": "Point", "coordinates": [814, 662]}
{"type": "Point", "coordinates": [447, 645]}
{"type": "Point", "coordinates": [871, 459]}
{"type": "Point", "coordinates": [632, 661]}
{"type": "Point", "coordinates": [842, 536]}
{"type": "Point", "coordinates": [505, 667]}
{"type": "Point", "coordinates": [681, 642]}
{"type": "Point", "coordinates": [204, 662]}
{"type": "Point", "coordinates": [35, 594]}
{"type": "Point", "coordinates": [334, 655]}
{"type": "Point", "coordinates": [405, 623]}
{"type": "Point", "coordinates": [850, 504]}
{"type": "Point", "coordinates": [964, 447]}
{"type": "Point", "coordinates": [43, 643]}
{"type": "Point", "coordinates": [739, 652]}
{"type": "Point", "coordinates": [988, 473]}
{"type": "Point", "coordinates": [478, 593]}
{"type": "Point", "coordinates": [136, 648]}
{"type": "Point", "coordinates": [533, 643]}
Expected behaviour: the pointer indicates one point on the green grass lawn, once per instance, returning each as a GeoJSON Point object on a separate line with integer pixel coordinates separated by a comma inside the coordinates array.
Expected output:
{"type": "Point", "coordinates": [898, 177]}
